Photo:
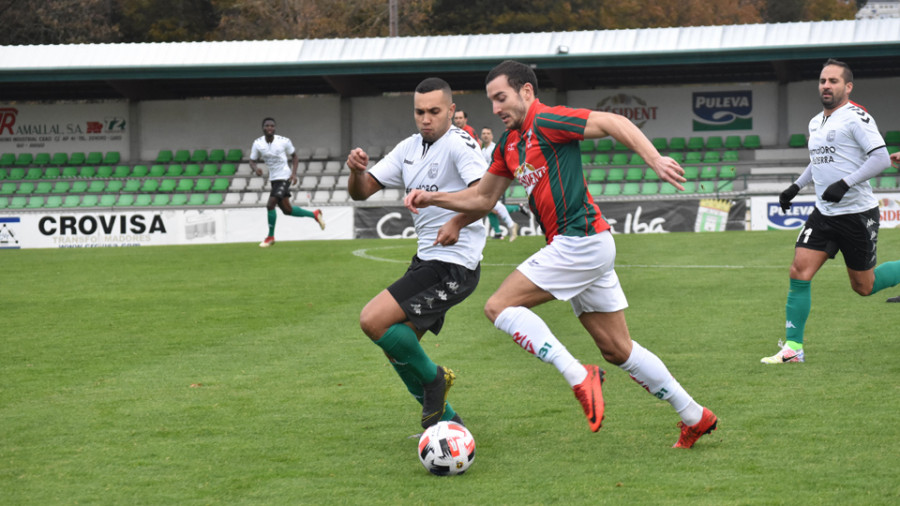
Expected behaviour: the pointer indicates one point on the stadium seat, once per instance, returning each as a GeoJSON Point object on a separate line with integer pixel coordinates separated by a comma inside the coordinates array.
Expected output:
{"type": "Point", "coordinates": [706, 186]}
{"type": "Point", "coordinates": [612, 189]}
{"type": "Point", "coordinates": [651, 175]}
{"type": "Point", "coordinates": [178, 199]}
{"type": "Point", "coordinates": [595, 189]}
{"type": "Point", "coordinates": [4, 202]}
{"type": "Point", "coordinates": [164, 156]}
{"type": "Point", "coordinates": [615, 174]}
{"type": "Point", "coordinates": [150, 186]}
{"type": "Point", "coordinates": [585, 159]}
{"type": "Point", "coordinates": [132, 185]}
{"type": "Point", "coordinates": [695, 143]}
{"type": "Point", "coordinates": [634, 174]}
{"type": "Point", "coordinates": [125, 200]}
{"type": "Point", "coordinates": [203, 185]}
{"type": "Point", "coordinates": [677, 144]}
{"type": "Point", "coordinates": [181, 156]}
{"type": "Point", "coordinates": [631, 188]}
{"type": "Point", "coordinates": [601, 159]}
{"type": "Point", "coordinates": [209, 170]}
{"type": "Point", "coordinates": [220, 184]}
{"type": "Point", "coordinates": [216, 155]}
{"type": "Point", "coordinates": [732, 142]}
{"type": "Point", "coordinates": [752, 142]}
{"type": "Point", "coordinates": [727, 172]}
{"type": "Point", "coordinates": [604, 144]}
{"type": "Point", "coordinates": [184, 185]}
{"type": "Point", "coordinates": [596, 176]}
{"type": "Point", "coordinates": [43, 187]}
{"type": "Point", "coordinates": [34, 173]}
{"type": "Point", "coordinates": [620, 146]}
{"type": "Point", "coordinates": [724, 186]}
{"type": "Point", "coordinates": [157, 171]}
{"type": "Point", "coordinates": [714, 142]}
{"type": "Point", "coordinates": [649, 188]}
{"type": "Point", "coordinates": [887, 183]}
{"type": "Point", "coordinates": [892, 137]}
{"type": "Point", "coordinates": [143, 200]}
{"type": "Point", "coordinates": [7, 159]}
{"type": "Point", "coordinates": [690, 186]}
{"type": "Point", "coordinates": [167, 185]}
{"type": "Point", "coordinates": [797, 141]}
{"type": "Point", "coordinates": [17, 173]}
{"type": "Point", "coordinates": [191, 170]}
{"type": "Point", "coordinates": [94, 158]}
{"type": "Point", "coordinates": [678, 156]}
{"type": "Point", "coordinates": [315, 167]}
{"type": "Point", "coordinates": [115, 186]}
{"type": "Point", "coordinates": [667, 189]}
{"type": "Point", "coordinates": [517, 192]}
{"type": "Point", "coordinates": [59, 159]}
{"type": "Point", "coordinates": [619, 159]}
{"type": "Point", "coordinates": [227, 169]}
{"type": "Point", "coordinates": [160, 199]}
{"type": "Point", "coordinates": [24, 159]}
{"type": "Point", "coordinates": [50, 173]}
{"type": "Point", "coordinates": [17, 203]}
{"type": "Point", "coordinates": [104, 171]}
{"type": "Point", "coordinates": [660, 143]}
{"type": "Point", "coordinates": [174, 170]}
{"type": "Point", "coordinates": [712, 157]}
{"type": "Point", "coordinates": [71, 201]}
{"type": "Point", "coordinates": [320, 153]}
{"type": "Point", "coordinates": [342, 181]}
{"type": "Point", "coordinates": [730, 156]}
{"type": "Point", "coordinates": [304, 153]}
{"type": "Point", "coordinates": [196, 199]}
{"type": "Point", "coordinates": [69, 172]}
{"type": "Point", "coordinates": [121, 171]}
{"type": "Point", "coordinates": [89, 201]}
{"type": "Point", "coordinates": [42, 159]}
{"type": "Point", "coordinates": [234, 155]}
{"type": "Point", "coordinates": [96, 186]}
{"type": "Point", "coordinates": [53, 201]}
{"type": "Point", "coordinates": [87, 171]}
{"type": "Point", "coordinates": [111, 158]}
{"type": "Point", "coordinates": [77, 158]}
{"type": "Point", "coordinates": [635, 159]}
{"type": "Point", "coordinates": [693, 157]}
{"type": "Point", "coordinates": [587, 146]}
{"type": "Point", "coordinates": [199, 155]}
{"type": "Point", "coordinates": [61, 187]}
{"type": "Point", "coordinates": [78, 187]}
{"type": "Point", "coordinates": [25, 188]}
{"type": "Point", "coordinates": [140, 171]}
{"type": "Point", "coordinates": [214, 199]}
{"type": "Point", "coordinates": [709, 172]}
{"type": "Point", "coordinates": [107, 200]}
{"type": "Point", "coordinates": [691, 172]}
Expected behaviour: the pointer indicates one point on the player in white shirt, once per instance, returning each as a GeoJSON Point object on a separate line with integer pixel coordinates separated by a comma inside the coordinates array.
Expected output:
{"type": "Point", "coordinates": [274, 150]}
{"type": "Point", "coordinates": [501, 210]}
{"type": "Point", "coordinates": [439, 158]}
{"type": "Point", "coordinates": [845, 151]}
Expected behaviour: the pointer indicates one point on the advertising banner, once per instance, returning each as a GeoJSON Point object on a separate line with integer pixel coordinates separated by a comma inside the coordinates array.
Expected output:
{"type": "Point", "coordinates": [766, 213]}
{"type": "Point", "coordinates": [65, 128]}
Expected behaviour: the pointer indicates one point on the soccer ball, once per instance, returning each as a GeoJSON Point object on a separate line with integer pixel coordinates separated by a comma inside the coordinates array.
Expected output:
{"type": "Point", "coordinates": [446, 448]}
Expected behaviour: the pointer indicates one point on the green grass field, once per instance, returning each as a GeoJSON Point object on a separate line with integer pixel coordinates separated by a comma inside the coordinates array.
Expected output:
{"type": "Point", "coordinates": [234, 375]}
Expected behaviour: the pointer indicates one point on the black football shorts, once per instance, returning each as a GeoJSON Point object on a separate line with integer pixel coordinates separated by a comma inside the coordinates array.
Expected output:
{"type": "Point", "coordinates": [429, 288]}
{"type": "Point", "coordinates": [854, 235]}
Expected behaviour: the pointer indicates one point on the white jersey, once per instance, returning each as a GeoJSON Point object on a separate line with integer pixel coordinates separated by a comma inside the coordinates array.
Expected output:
{"type": "Point", "coordinates": [274, 155]}
{"type": "Point", "coordinates": [838, 146]}
{"type": "Point", "coordinates": [488, 152]}
{"type": "Point", "coordinates": [450, 164]}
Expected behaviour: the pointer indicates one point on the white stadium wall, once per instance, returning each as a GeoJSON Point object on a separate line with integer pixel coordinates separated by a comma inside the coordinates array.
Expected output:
{"type": "Point", "coordinates": [879, 96]}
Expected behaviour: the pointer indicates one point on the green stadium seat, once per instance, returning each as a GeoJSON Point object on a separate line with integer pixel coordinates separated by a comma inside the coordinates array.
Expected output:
{"type": "Point", "coordinates": [43, 187]}
{"type": "Point", "coordinates": [160, 199]}
{"type": "Point", "coordinates": [157, 170]}
{"type": "Point", "coordinates": [34, 173]}
{"type": "Point", "coordinates": [87, 171]}
{"type": "Point", "coordinates": [227, 169]}
{"type": "Point", "coordinates": [677, 144]}
{"type": "Point", "coordinates": [7, 159]}
{"type": "Point", "coordinates": [111, 158]}
{"type": "Point", "coordinates": [733, 142]}
{"type": "Point", "coordinates": [709, 172]}
{"type": "Point", "coordinates": [107, 200]}
{"type": "Point", "coordinates": [651, 175]}
{"type": "Point", "coordinates": [220, 184]}
{"type": "Point", "coordinates": [216, 155]}
{"type": "Point", "coordinates": [125, 200]}
{"type": "Point", "coordinates": [164, 156]}
{"type": "Point", "coordinates": [612, 189]}
{"type": "Point", "coordinates": [121, 171]}
{"type": "Point", "coordinates": [59, 159]}
{"type": "Point", "coordinates": [631, 188]}
{"type": "Point", "coordinates": [143, 200]}
{"type": "Point", "coordinates": [132, 185]}
{"type": "Point", "coordinates": [892, 137]}
{"type": "Point", "coordinates": [690, 186]}
{"type": "Point", "coordinates": [667, 189]}
{"type": "Point", "coordinates": [17, 173]}
{"type": "Point", "coordinates": [649, 188]}
{"type": "Point", "coordinates": [53, 201]}
{"type": "Point", "coordinates": [115, 186]}
{"type": "Point", "coordinates": [635, 159]}
{"type": "Point", "coordinates": [634, 174]}
{"type": "Point", "coordinates": [94, 158]}
{"type": "Point", "coordinates": [89, 201]}
{"type": "Point", "coordinates": [71, 201]}
{"type": "Point", "coordinates": [727, 172]}
{"type": "Point", "coordinates": [660, 143]}
{"type": "Point", "coordinates": [4, 174]}
{"type": "Point", "coordinates": [234, 155]}
{"type": "Point", "coordinates": [712, 157]}
{"type": "Point", "coordinates": [4, 202]}
{"type": "Point", "coordinates": [517, 192]}
{"type": "Point", "coordinates": [797, 141]}
{"type": "Point", "coordinates": [678, 156]}
{"type": "Point", "coordinates": [96, 186]}
{"type": "Point", "coordinates": [595, 189]}
{"type": "Point", "coordinates": [51, 173]}
{"type": "Point", "coordinates": [104, 171]}
{"type": "Point", "coordinates": [887, 183]}
{"type": "Point", "coordinates": [210, 169]}
{"type": "Point", "coordinates": [893, 149]}
{"type": "Point", "coordinates": [691, 172]}
{"type": "Point", "coordinates": [182, 156]}
{"type": "Point", "coordinates": [140, 171]}
{"type": "Point", "coordinates": [150, 186]}
{"type": "Point", "coordinates": [585, 159]}
{"type": "Point", "coordinates": [695, 143]}
{"type": "Point", "coordinates": [604, 144]}
{"type": "Point", "coordinates": [196, 199]}
{"type": "Point", "coordinates": [615, 174]}
{"type": "Point", "coordinates": [725, 186]}
{"type": "Point", "coordinates": [178, 199]}
{"type": "Point", "coordinates": [619, 146]}
{"type": "Point", "coordinates": [70, 172]}
{"type": "Point", "coordinates": [24, 159]}
{"type": "Point", "coordinates": [42, 159]}
{"type": "Point", "coordinates": [599, 159]}
{"type": "Point", "coordinates": [706, 186]}
{"type": "Point", "coordinates": [199, 155]}
{"type": "Point", "coordinates": [17, 203]}
{"type": "Point", "coordinates": [752, 142]}
{"type": "Point", "coordinates": [596, 176]}
{"type": "Point", "coordinates": [77, 158]}
{"type": "Point", "coordinates": [78, 187]}
{"type": "Point", "coordinates": [25, 188]}
{"type": "Point", "coordinates": [714, 142]}
{"type": "Point", "coordinates": [587, 146]}
{"type": "Point", "coordinates": [730, 156]}
{"type": "Point", "coordinates": [168, 185]}
{"type": "Point", "coordinates": [693, 157]}
{"type": "Point", "coordinates": [204, 184]}
{"type": "Point", "coordinates": [192, 170]}
{"type": "Point", "coordinates": [619, 159]}
{"type": "Point", "coordinates": [61, 187]}
{"type": "Point", "coordinates": [185, 185]}
{"type": "Point", "coordinates": [174, 170]}
{"type": "Point", "coordinates": [215, 199]}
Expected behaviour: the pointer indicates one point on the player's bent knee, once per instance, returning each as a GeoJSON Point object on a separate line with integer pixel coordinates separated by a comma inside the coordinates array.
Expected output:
{"type": "Point", "coordinates": [492, 309]}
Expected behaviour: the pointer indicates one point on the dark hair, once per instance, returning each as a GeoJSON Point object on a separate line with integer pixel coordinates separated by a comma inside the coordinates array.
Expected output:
{"type": "Point", "coordinates": [267, 119]}
{"type": "Point", "coordinates": [517, 74]}
{"type": "Point", "coordinates": [464, 113]}
{"type": "Point", "coordinates": [433, 84]}
{"type": "Point", "coordinates": [848, 74]}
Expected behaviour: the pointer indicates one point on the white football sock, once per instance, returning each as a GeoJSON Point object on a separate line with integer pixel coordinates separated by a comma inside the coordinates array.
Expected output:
{"type": "Point", "coordinates": [503, 214]}
{"type": "Point", "coordinates": [530, 332]}
{"type": "Point", "coordinates": [651, 373]}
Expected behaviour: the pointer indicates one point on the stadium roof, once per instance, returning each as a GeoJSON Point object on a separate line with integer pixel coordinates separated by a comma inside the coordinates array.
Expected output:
{"type": "Point", "coordinates": [781, 52]}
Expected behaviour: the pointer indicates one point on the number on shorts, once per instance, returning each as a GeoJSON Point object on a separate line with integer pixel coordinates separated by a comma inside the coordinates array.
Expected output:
{"type": "Point", "coordinates": [805, 232]}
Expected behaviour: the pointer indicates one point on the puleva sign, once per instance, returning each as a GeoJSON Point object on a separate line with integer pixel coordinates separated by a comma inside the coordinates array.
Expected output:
{"type": "Point", "coordinates": [722, 110]}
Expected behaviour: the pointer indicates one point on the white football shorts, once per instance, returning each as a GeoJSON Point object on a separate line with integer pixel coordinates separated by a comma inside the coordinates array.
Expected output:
{"type": "Point", "coordinates": [580, 270]}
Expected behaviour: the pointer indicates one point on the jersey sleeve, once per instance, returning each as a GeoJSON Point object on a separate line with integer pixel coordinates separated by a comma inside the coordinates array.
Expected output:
{"type": "Point", "coordinates": [498, 165]}
{"type": "Point", "coordinates": [288, 147]}
{"type": "Point", "coordinates": [865, 131]}
{"type": "Point", "coordinates": [254, 152]}
{"type": "Point", "coordinates": [389, 170]}
{"type": "Point", "coordinates": [562, 124]}
{"type": "Point", "coordinates": [469, 161]}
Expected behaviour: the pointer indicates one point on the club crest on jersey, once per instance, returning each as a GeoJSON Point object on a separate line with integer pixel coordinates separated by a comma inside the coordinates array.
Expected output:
{"type": "Point", "coordinates": [830, 135]}
{"type": "Point", "coordinates": [529, 176]}
{"type": "Point", "coordinates": [433, 170]}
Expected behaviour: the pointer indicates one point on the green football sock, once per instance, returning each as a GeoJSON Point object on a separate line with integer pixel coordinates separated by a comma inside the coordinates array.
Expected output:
{"type": "Point", "coordinates": [299, 211]}
{"type": "Point", "coordinates": [401, 343]}
{"type": "Point", "coordinates": [886, 276]}
{"type": "Point", "coordinates": [272, 217]}
{"type": "Point", "coordinates": [495, 222]}
{"type": "Point", "coordinates": [799, 301]}
{"type": "Point", "coordinates": [415, 387]}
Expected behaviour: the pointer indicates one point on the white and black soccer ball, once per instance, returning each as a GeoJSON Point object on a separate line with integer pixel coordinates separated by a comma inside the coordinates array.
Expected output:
{"type": "Point", "coordinates": [446, 448]}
